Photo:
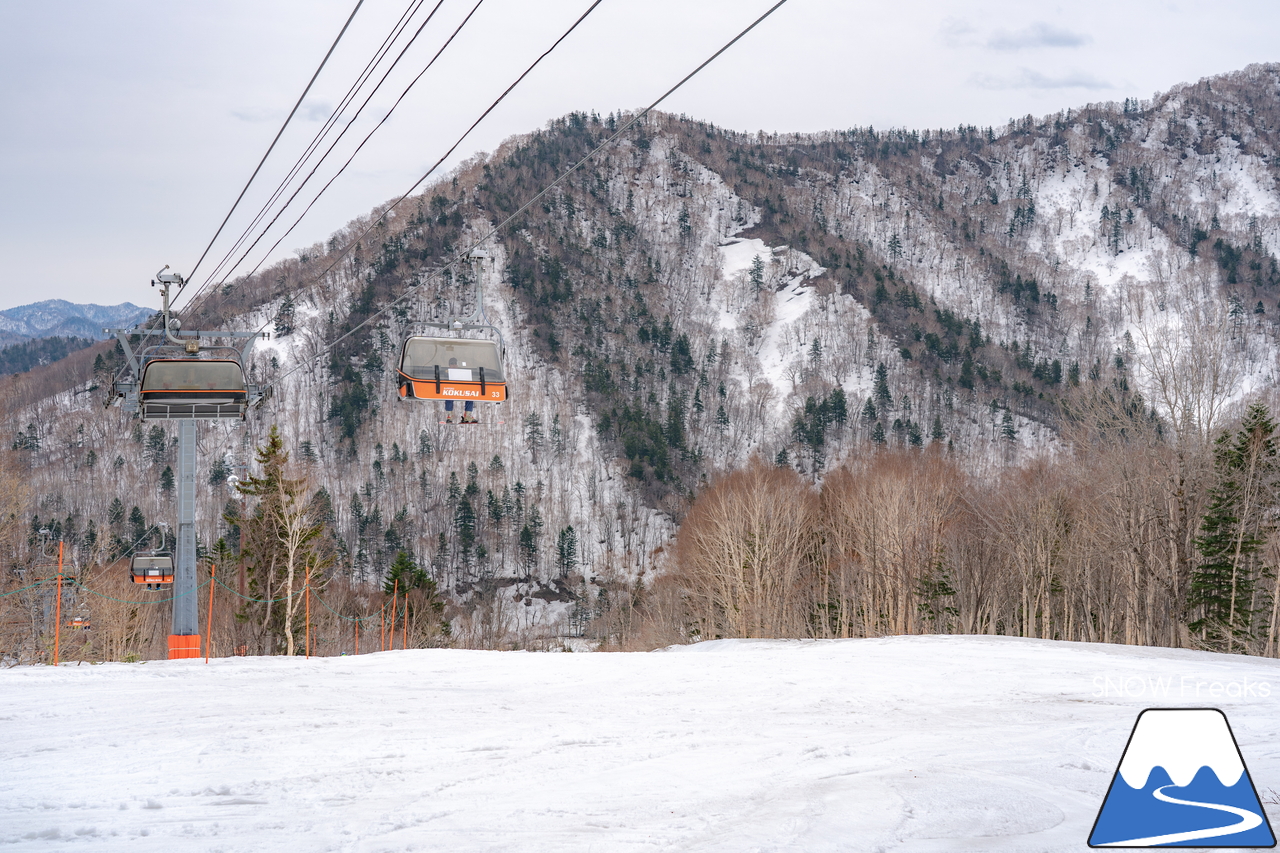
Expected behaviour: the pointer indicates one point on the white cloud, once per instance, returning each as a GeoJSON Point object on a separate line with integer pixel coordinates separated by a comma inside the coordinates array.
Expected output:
{"type": "Point", "coordinates": [258, 115]}
{"type": "Point", "coordinates": [957, 31]}
{"type": "Point", "coordinates": [316, 110]}
{"type": "Point", "coordinates": [1027, 78]}
{"type": "Point", "coordinates": [1037, 35]}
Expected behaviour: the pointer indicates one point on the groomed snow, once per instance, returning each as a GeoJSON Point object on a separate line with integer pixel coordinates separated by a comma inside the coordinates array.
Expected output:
{"type": "Point", "coordinates": [897, 744]}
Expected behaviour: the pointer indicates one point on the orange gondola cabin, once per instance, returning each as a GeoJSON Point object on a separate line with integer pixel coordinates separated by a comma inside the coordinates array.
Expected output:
{"type": "Point", "coordinates": [452, 369]}
{"type": "Point", "coordinates": [185, 388]}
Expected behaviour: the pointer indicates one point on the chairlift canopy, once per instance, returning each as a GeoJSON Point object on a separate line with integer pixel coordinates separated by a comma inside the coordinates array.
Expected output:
{"type": "Point", "coordinates": [452, 369]}
{"type": "Point", "coordinates": [151, 569]}
{"type": "Point", "coordinates": [193, 388]}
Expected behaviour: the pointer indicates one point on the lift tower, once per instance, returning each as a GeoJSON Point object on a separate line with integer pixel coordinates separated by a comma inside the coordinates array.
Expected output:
{"type": "Point", "coordinates": [176, 378]}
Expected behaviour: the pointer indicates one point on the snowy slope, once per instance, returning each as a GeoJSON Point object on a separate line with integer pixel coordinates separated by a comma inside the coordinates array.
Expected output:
{"type": "Point", "coordinates": [898, 744]}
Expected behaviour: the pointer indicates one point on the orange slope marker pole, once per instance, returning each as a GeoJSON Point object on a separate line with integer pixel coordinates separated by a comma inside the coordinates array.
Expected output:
{"type": "Point", "coordinates": [57, 616]}
{"type": "Point", "coordinates": [308, 589]}
{"type": "Point", "coordinates": [394, 589]}
{"type": "Point", "coordinates": [404, 642]}
{"type": "Point", "coordinates": [208, 630]}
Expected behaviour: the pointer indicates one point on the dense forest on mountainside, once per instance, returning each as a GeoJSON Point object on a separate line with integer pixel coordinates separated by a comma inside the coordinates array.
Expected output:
{"type": "Point", "coordinates": [988, 379]}
{"type": "Point", "coordinates": [21, 357]}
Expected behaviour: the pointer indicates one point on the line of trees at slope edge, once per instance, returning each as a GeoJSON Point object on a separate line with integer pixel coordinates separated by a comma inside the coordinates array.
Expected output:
{"type": "Point", "coordinates": [1125, 539]}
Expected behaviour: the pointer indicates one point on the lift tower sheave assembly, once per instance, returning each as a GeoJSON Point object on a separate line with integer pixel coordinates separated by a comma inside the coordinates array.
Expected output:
{"type": "Point", "coordinates": [170, 380]}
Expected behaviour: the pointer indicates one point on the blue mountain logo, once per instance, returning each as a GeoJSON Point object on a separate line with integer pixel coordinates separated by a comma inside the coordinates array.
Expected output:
{"type": "Point", "coordinates": [1182, 783]}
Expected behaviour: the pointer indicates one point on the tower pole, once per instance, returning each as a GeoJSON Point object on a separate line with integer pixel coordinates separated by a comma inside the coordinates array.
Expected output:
{"type": "Point", "coordinates": [184, 639]}
{"type": "Point", "coordinates": [57, 618]}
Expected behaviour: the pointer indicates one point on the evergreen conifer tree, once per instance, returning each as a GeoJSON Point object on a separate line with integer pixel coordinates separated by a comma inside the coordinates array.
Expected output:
{"type": "Point", "coordinates": [882, 395]}
{"type": "Point", "coordinates": [1008, 431]}
{"type": "Point", "coordinates": [528, 550]}
{"type": "Point", "coordinates": [757, 274]}
{"type": "Point", "coordinates": [567, 551]}
{"type": "Point", "coordinates": [420, 604]}
{"type": "Point", "coordinates": [281, 542]}
{"type": "Point", "coordinates": [838, 406]}
{"type": "Point", "coordinates": [1233, 531]}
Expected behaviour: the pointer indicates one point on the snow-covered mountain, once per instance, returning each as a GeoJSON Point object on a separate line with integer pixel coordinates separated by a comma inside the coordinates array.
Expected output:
{"type": "Point", "coordinates": [695, 296]}
{"type": "Point", "coordinates": [59, 317]}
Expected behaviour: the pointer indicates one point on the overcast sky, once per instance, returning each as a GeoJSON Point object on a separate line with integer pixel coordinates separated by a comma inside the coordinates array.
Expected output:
{"type": "Point", "coordinates": [129, 127]}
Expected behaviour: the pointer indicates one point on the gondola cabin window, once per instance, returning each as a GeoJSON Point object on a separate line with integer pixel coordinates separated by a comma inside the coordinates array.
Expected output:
{"type": "Point", "coordinates": [459, 360]}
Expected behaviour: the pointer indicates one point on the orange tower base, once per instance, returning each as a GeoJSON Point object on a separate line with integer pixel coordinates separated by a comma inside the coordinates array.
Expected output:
{"type": "Point", "coordinates": [184, 646]}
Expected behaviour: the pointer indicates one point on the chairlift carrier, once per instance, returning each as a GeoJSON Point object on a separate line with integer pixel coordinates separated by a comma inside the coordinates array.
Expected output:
{"type": "Point", "coordinates": [452, 369]}
{"type": "Point", "coordinates": [205, 389]}
{"type": "Point", "coordinates": [166, 385]}
{"type": "Point", "coordinates": [154, 570]}
{"type": "Point", "coordinates": [449, 368]}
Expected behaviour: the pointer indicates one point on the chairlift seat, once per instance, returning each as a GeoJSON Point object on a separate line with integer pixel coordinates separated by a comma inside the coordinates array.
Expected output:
{"type": "Point", "coordinates": [153, 570]}
{"type": "Point", "coordinates": [452, 369]}
{"type": "Point", "coordinates": [193, 388]}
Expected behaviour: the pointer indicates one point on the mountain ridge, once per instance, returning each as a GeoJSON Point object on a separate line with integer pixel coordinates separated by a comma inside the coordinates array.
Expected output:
{"type": "Point", "coordinates": [58, 317]}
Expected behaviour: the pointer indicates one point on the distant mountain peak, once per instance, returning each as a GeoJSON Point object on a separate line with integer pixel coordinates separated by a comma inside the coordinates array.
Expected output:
{"type": "Point", "coordinates": [62, 318]}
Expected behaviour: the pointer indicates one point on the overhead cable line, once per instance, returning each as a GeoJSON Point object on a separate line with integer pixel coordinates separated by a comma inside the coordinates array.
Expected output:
{"type": "Point", "coordinates": [497, 228]}
{"type": "Point", "coordinates": [370, 68]}
{"type": "Point", "coordinates": [396, 31]}
{"type": "Point", "coordinates": [339, 137]}
{"type": "Point", "coordinates": [24, 588]}
{"type": "Point", "coordinates": [455, 145]}
{"type": "Point", "coordinates": [329, 122]}
{"type": "Point", "coordinates": [173, 597]}
{"type": "Point", "coordinates": [344, 166]}
{"type": "Point", "coordinates": [279, 133]}
{"type": "Point", "coordinates": [259, 600]}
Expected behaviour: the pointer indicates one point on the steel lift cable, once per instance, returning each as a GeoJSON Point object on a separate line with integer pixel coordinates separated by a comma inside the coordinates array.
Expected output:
{"type": "Point", "coordinates": [455, 145]}
{"type": "Point", "coordinates": [319, 137]}
{"type": "Point", "coordinates": [344, 166]}
{"type": "Point", "coordinates": [331, 122]}
{"type": "Point", "coordinates": [459, 141]}
{"type": "Point", "coordinates": [317, 140]}
{"type": "Point", "coordinates": [279, 133]}
{"type": "Point", "coordinates": [173, 597]}
{"type": "Point", "coordinates": [227, 271]}
{"type": "Point", "coordinates": [497, 228]}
